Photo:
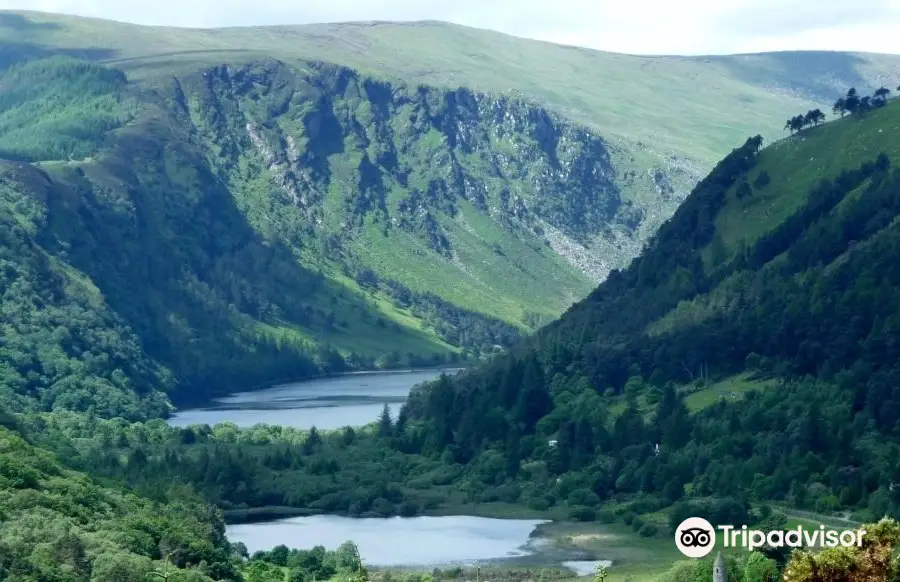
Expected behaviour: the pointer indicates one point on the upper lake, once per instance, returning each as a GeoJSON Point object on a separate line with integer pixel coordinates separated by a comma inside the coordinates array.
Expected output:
{"type": "Point", "coordinates": [326, 403]}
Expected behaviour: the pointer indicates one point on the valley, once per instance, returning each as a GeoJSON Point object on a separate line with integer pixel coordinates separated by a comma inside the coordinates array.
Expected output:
{"type": "Point", "coordinates": [468, 301]}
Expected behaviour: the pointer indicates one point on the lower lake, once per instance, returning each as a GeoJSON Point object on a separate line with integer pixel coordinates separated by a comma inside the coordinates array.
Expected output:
{"type": "Point", "coordinates": [413, 541]}
{"type": "Point", "coordinates": [326, 403]}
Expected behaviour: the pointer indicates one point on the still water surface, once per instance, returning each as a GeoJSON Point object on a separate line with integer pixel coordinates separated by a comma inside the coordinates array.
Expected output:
{"type": "Point", "coordinates": [326, 403]}
{"type": "Point", "coordinates": [398, 541]}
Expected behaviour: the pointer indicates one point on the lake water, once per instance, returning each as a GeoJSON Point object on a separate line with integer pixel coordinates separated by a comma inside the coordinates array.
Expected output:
{"type": "Point", "coordinates": [398, 541]}
{"type": "Point", "coordinates": [326, 403]}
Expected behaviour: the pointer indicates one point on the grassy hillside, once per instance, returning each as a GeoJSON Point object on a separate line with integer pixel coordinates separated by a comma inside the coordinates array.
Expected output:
{"type": "Point", "coordinates": [132, 273]}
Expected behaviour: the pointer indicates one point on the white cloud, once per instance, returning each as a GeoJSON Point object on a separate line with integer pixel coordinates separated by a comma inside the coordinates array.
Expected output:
{"type": "Point", "coordinates": [634, 26]}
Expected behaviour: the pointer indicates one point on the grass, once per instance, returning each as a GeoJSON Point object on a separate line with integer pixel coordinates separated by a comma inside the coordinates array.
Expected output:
{"type": "Point", "coordinates": [631, 554]}
{"type": "Point", "coordinates": [476, 278]}
{"type": "Point", "coordinates": [795, 164]}
{"type": "Point", "coordinates": [696, 399]}
{"type": "Point", "coordinates": [655, 112]}
{"type": "Point", "coordinates": [732, 388]}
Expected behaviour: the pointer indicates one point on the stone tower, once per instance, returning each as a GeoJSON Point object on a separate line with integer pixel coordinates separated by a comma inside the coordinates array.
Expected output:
{"type": "Point", "coordinates": [719, 574]}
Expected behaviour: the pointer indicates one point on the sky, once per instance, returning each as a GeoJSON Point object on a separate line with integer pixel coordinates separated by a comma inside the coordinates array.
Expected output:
{"type": "Point", "coordinates": [688, 27]}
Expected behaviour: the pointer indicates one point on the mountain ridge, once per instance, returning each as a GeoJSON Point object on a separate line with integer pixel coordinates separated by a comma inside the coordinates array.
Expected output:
{"type": "Point", "coordinates": [420, 23]}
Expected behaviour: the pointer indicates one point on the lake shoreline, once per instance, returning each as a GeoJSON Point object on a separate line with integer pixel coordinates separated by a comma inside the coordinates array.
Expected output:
{"type": "Point", "coordinates": [251, 515]}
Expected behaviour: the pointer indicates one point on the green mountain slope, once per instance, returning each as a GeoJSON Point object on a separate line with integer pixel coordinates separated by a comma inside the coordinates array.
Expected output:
{"type": "Point", "coordinates": [133, 271]}
{"type": "Point", "coordinates": [246, 225]}
{"type": "Point", "coordinates": [755, 341]}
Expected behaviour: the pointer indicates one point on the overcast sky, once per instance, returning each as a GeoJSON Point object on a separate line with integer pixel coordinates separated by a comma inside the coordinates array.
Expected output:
{"type": "Point", "coordinates": [632, 26]}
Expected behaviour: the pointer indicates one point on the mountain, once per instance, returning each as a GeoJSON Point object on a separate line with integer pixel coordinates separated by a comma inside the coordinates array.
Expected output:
{"type": "Point", "coordinates": [754, 342]}
{"type": "Point", "coordinates": [194, 212]}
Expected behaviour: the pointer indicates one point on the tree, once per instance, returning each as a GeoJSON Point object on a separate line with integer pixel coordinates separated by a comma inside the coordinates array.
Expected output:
{"type": "Point", "coordinates": [814, 117]}
{"type": "Point", "coordinates": [865, 104]}
{"type": "Point", "coordinates": [851, 101]}
{"type": "Point", "coordinates": [385, 424]}
{"type": "Point", "coordinates": [881, 95]}
{"type": "Point", "coordinates": [762, 180]}
{"type": "Point", "coordinates": [795, 123]}
{"type": "Point", "coordinates": [756, 142]}
{"type": "Point", "coordinates": [402, 418]}
{"type": "Point", "coordinates": [760, 568]}
{"type": "Point", "coordinates": [534, 399]}
{"type": "Point", "coordinates": [789, 125]}
{"type": "Point", "coordinates": [872, 560]}
{"type": "Point", "coordinates": [840, 106]}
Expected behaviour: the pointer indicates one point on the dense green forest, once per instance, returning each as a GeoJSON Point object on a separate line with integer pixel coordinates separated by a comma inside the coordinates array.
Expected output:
{"type": "Point", "coordinates": [56, 524]}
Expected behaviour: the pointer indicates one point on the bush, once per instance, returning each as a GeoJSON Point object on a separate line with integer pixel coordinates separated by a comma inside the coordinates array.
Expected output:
{"type": "Point", "coordinates": [538, 504]}
{"type": "Point", "coordinates": [628, 517]}
{"type": "Point", "coordinates": [408, 509]}
{"type": "Point", "coordinates": [762, 180]}
{"type": "Point", "coordinates": [648, 530]}
{"type": "Point", "coordinates": [583, 514]}
{"type": "Point", "coordinates": [606, 516]}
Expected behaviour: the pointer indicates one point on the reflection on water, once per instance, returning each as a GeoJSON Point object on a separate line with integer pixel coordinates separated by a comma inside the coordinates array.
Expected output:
{"type": "Point", "coordinates": [326, 403]}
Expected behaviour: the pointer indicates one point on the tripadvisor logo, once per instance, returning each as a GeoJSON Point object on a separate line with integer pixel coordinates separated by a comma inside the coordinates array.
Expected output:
{"type": "Point", "coordinates": [696, 537]}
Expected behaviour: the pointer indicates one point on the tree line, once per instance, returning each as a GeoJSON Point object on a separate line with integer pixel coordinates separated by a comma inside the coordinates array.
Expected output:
{"type": "Point", "coordinates": [850, 103]}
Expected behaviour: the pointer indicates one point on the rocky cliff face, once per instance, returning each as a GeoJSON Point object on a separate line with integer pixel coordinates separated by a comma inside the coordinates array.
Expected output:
{"type": "Point", "coordinates": [347, 153]}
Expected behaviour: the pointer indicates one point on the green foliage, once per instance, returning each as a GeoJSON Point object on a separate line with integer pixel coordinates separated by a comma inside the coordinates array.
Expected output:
{"type": "Point", "coordinates": [875, 559]}
{"type": "Point", "coordinates": [60, 345]}
{"type": "Point", "coordinates": [263, 466]}
{"type": "Point", "coordinates": [134, 276]}
{"type": "Point", "coordinates": [59, 109]}
{"type": "Point", "coordinates": [59, 525]}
